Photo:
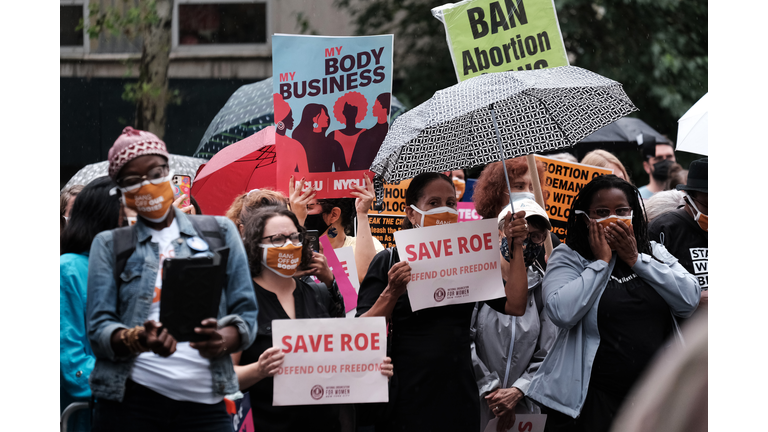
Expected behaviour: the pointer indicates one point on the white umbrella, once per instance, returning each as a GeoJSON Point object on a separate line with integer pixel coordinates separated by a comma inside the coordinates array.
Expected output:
{"type": "Point", "coordinates": [692, 128]}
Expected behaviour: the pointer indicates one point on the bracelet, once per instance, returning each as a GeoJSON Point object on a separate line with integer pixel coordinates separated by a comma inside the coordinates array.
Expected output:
{"type": "Point", "coordinates": [130, 339]}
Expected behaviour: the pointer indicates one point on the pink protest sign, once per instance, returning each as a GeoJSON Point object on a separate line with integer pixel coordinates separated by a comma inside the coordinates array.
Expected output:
{"type": "Point", "coordinates": [467, 212]}
{"type": "Point", "coordinates": [342, 280]}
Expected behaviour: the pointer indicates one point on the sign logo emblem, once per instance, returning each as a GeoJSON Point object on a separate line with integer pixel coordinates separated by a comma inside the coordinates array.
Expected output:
{"type": "Point", "coordinates": [316, 392]}
{"type": "Point", "coordinates": [439, 295]}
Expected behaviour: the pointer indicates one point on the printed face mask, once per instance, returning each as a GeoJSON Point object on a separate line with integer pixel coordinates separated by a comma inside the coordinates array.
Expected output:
{"type": "Point", "coordinates": [612, 218]}
{"type": "Point", "coordinates": [151, 199]}
{"type": "Point", "coordinates": [437, 216]}
{"type": "Point", "coordinates": [699, 217]}
{"type": "Point", "coordinates": [460, 186]}
{"type": "Point", "coordinates": [530, 251]}
{"type": "Point", "coordinates": [283, 260]}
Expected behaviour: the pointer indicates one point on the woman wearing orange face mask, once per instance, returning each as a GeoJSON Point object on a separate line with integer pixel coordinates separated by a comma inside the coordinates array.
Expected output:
{"type": "Point", "coordinates": [434, 387]}
{"type": "Point", "coordinates": [614, 294]}
{"type": "Point", "coordinates": [274, 242]}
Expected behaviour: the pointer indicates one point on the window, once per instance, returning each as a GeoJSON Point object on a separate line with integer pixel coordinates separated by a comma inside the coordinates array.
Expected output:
{"type": "Point", "coordinates": [221, 26]}
{"type": "Point", "coordinates": [70, 14]}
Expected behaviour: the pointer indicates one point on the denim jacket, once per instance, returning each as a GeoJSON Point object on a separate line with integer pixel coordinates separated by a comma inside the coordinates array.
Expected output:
{"type": "Point", "coordinates": [572, 290]}
{"type": "Point", "coordinates": [110, 308]}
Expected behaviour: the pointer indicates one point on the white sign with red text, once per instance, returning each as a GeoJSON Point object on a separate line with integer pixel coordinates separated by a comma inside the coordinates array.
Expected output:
{"type": "Point", "coordinates": [330, 361]}
{"type": "Point", "coordinates": [452, 264]}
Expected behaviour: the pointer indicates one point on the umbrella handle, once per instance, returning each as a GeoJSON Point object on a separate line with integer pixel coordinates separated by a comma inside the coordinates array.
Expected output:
{"type": "Point", "coordinates": [503, 163]}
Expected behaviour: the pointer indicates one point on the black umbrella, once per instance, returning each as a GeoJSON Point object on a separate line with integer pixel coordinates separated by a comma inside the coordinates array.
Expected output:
{"type": "Point", "coordinates": [617, 136]}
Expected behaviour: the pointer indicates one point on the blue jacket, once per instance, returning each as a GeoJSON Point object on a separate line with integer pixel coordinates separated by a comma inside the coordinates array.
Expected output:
{"type": "Point", "coordinates": [76, 358]}
{"type": "Point", "coordinates": [110, 309]}
{"type": "Point", "coordinates": [572, 289]}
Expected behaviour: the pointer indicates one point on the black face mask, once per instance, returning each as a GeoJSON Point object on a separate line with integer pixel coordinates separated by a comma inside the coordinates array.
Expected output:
{"type": "Point", "coordinates": [530, 251]}
{"type": "Point", "coordinates": [316, 222]}
{"type": "Point", "coordinates": [661, 170]}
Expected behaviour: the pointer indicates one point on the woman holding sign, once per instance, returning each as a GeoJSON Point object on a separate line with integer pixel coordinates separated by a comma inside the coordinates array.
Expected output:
{"type": "Point", "coordinates": [434, 388]}
{"type": "Point", "coordinates": [273, 242]}
{"type": "Point", "coordinates": [614, 294]}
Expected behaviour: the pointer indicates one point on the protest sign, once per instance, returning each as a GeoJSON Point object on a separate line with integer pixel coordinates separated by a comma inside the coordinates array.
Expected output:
{"type": "Point", "coordinates": [331, 98]}
{"type": "Point", "coordinates": [346, 257]}
{"type": "Point", "coordinates": [496, 36]}
{"type": "Point", "coordinates": [242, 419]}
{"type": "Point", "coordinates": [330, 361]}
{"type": "Point", "coordinates": [564, 181]}
{"type": "Point", "coordinates": [346, 288]}
{"type": "Point", "coordinates": [452, 264]}
{"type": "Point", "coordinates": [386, 223]}
{"type": "Point", "coordinates": [523, 422]}
{"type": "Point", "coordinates": [467, 212]}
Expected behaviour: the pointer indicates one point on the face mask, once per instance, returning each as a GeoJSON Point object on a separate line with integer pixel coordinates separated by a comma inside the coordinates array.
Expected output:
{"type": "Point", "coordinates": [282, 260]}
{"type": "Point", "coordinates": [315, 222]}
{"type": "Point", "coordinates": [699, 217]}
{"type": "Point", "coordinates": [437, 216]}
{"type": "Point", "coordinates": [661, 170]}
{"type": "Point", "coordinates": [612, 218]}
{"type": "Point", "coordinates": [530, 251]}
{"type": "Point", "coordinates": [460, 186]}
{"type": "Point", "coordinates": [151, 199]}
{"type": "Point", "coordinates": [517, 196]}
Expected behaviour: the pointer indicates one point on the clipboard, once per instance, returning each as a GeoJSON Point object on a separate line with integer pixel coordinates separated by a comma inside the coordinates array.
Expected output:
{"type": "Point", "coordinates": [192, 292]}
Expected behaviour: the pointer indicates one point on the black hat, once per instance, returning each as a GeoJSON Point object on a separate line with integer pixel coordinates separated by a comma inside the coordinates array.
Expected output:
{"type": "Point", "coordinates": [697, 177]}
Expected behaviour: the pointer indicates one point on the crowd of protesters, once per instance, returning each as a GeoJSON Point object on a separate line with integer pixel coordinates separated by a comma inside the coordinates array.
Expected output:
{"type": "Point", "coordinates": [571, 337]}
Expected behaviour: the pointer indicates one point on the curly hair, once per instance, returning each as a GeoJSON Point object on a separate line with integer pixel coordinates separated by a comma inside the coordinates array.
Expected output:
{"type": "Point", "coordinates": [352, 98]}
{"type": "Point", "coordinates": [416, 190]}
{"type": "Point", "coordinates": [578, 230]}
{"type": "Point", "coordinates": [490, 194]}
{"type": "Point", "coordinates": [254, 223]}
{"type": "Point", "coordinates": [250, 201]}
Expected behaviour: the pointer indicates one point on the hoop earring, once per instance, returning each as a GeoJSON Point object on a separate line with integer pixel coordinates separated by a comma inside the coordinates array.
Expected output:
{"type": "Point", "coordinates": [280, 125]}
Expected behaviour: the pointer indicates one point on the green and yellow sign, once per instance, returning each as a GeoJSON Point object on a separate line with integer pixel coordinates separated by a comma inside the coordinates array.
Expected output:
{"type": "Point", "coordinates": [502, 35]}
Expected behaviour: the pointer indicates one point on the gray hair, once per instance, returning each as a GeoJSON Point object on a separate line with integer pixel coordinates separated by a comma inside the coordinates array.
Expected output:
{"type": "Point", "coordinates": [663, 202]}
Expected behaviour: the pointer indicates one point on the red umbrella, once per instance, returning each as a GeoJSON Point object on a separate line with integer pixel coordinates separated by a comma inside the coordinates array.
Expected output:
{"type": "Point", "coordinates": [245, 165]}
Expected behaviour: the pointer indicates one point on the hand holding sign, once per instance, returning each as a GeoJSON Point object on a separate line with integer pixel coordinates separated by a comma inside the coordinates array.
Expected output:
{"type": "Point", "coordinates": [300, 198]}
{"type": "Point", "coordinates": [269, 362]}
{"type": "Point", "coordinates": [398, 275]}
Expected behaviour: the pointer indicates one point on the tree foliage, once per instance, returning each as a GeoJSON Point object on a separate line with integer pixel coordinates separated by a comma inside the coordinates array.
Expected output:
{"type": "Point", "coordinates": [148, 21]}
{"type": "Point", "coordinates": [656, 48]}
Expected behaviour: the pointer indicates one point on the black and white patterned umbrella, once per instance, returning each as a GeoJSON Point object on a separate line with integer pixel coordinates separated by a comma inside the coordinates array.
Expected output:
{"type": "Point", "coordinates": [535, 111]}
{"type": "Point", "coordinates": [182, 165]}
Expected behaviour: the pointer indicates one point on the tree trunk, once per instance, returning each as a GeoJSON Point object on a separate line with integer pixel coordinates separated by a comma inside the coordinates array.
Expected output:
{"type": "Point", "coordinates": [152, 89]}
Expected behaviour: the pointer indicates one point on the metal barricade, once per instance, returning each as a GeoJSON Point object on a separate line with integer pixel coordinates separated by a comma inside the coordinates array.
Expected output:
{"type": "Point", "coordinates": [68, 412]}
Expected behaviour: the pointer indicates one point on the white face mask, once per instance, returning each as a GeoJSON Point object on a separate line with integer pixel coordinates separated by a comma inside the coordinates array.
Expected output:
{"type": "Point", "coordinates": [517, 196]}
{"type": "Point", "coordinates": [437, 216]}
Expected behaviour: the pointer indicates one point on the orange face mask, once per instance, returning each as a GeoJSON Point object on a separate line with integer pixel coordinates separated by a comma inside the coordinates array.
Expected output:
{"type": "Point", "coordinates": [460, 186]}
{"type": "Point", "coordinates": [437, 216]}
{"type": "Point", "coordinates": [283, 260]}
{"type": "Point", "coordinates": [151, 199]}
{"type": "Point", "coordinates": [699, 217]}
{"type": "Point", "coordinates": [606, 221]}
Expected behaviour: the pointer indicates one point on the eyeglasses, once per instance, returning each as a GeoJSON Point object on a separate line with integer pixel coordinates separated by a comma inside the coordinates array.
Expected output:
{"type": "Point", "coordinates": [537, 237]}
{"type": "Point", "coordinates": [279, 239]}
{"type": "Point", "coordinates": [155, 173]}
{"type": "Point", "coordinates": [605, 212]}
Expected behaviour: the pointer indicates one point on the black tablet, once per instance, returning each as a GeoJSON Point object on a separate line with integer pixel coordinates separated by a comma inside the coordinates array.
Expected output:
{"type": "Point", "coordinates": [192, 292]}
